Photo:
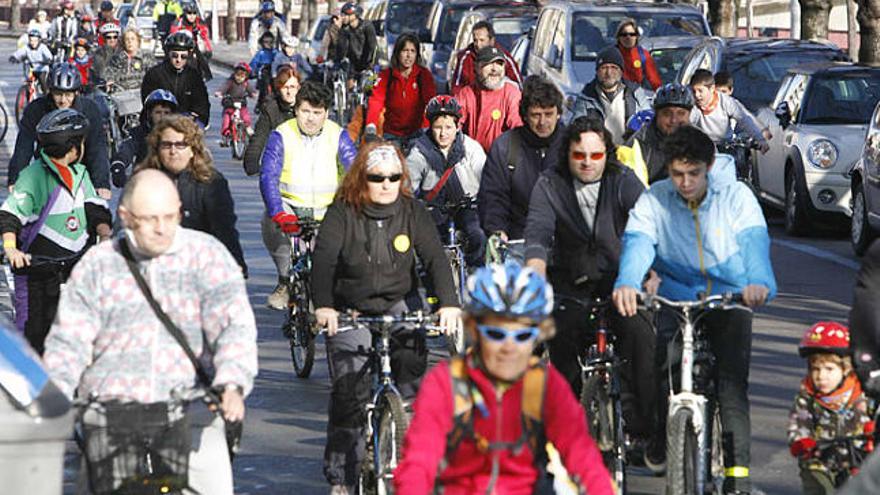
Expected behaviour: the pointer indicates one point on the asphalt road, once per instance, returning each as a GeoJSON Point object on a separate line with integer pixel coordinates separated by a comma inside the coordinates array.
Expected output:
{"type": "Point", "coordinates": [285, 427]}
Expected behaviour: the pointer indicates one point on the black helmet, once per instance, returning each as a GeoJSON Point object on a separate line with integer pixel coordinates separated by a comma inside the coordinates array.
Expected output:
{"type": "Point", "coordinates": [673, 95]}
{"type": "Point", "coordinates": [62, 126]}
{"type": "Point", "coordinates": [443, 105]}
{"type": "Point", "coordinates": [106, 5]}
{"type": "Point", "coordinates": [351, 8]}
{"type": "Point", "coordinates": [190, 8]}
{"type": "Point", "coordinates": [65, 77]}
{"type": "Point", "coordinates": [180, 41]}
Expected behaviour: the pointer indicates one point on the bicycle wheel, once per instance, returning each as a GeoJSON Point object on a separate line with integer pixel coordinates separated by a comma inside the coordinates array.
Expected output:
{"type": "Point", "coordinates": [455, 344]}
{"type": "Point", "coordinates": [4, 124]}
{"type": "Point", "coordinates": [238, 141]}
{"type": "Point", "coordinates": [302, 341]}
{"type": "Point", "coordinates": [598, 406]}
{"type": "Point", "coordinates": [683, 464]}
{"type": "Point", "coordinates": [390, 426]}
{"type": "Point", "coordinates": [21, 101]}
{"type": "Point", "coordinates": [616, 460]}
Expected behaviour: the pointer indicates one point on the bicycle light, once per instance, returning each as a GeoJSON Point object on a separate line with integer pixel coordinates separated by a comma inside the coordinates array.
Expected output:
{"type": "Point", "coordinates": [822, 153]}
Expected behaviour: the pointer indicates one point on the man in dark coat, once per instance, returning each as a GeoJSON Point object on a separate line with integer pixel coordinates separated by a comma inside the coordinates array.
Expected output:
{"type": "Point", "coordinates": [184, 81]}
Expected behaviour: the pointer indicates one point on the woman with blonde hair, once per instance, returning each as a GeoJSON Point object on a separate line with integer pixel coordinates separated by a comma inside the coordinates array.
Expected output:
{"type": "Point", "coordinates": [126, 68]}
{"type": "Point", "coordinates": [176, 146]}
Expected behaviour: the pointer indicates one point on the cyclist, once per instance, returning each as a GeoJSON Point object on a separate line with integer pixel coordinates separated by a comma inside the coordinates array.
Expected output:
{"type": "Point", "coordinates": [482, 34]}
{"type": "Point", "coordinates": [110, 48]}
{"type": "Point", "coordinates": [517, 159]}
{"type": "Point", "coordinates": [301, 167]}
{"type": "Point", "coordinates": [236, 88]}
{"type": "Point", "coordinates": [717, 114]}
{"type": "Point", "coordinates": [83, 61]}
{"type": "Point", "coordinates": [36, 54]}
{"type": "Point", "coordinates": [357, 41]}
{"type": "Point", "coordinates": [639, 66]}
{"type": "Point", "coordinates": [158, 105]}
{"type": "Point", "coordinates": [86, 29]}
{"type": "Point", "coordinates": [54, 213]}
{"type": "Point", "coordinates": [490, 103]}
{"type": "Point", "coordinates": [183, 81]}
{"type": "Point", "coordinates": [127, 68]}
{"type": "Point", "coordinates": [267, 21]}
{"type": "Point", "coordinates": [829, 406]}
{"type": "Point", "coordinates": [644, 151]}
{"type": "Point", "coordinates": [65, 85]}
{"type": "Point", "coordinates": [261, 64]}
{"type": "Point", "coordinates": [401, 94]}
{"type": "Point", "coordinates": [441, 148]}
{"type": "Point", "coordinates": [62, 30]}
{"type": "Point", "coordinates": [330, 41]}
{"type": "Point", "coordinates": [288, 56]}
{"type": "Point", "coordinates": [703, 232]}
{"type": "Point", "coordinates": [273, 112]}
{"type": "Point", "coordinates": [165, 12]}
{"type": "Point", "coordinates": [364, 260]}
{"type": "Point", "coordinates": [577, 214]}
{"type": "Point", "coordinates": [40, 23]}
{"type": "Point", "coordinates": [105, 16]}
{"type": "Point", "coordinates": [191, 22]}
{"type": "Point", "coordinates": [486, 447]}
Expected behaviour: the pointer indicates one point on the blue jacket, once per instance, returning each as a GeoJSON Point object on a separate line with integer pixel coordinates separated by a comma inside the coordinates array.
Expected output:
{"type": "Point", "coordinates": [733, 250]}
{"type": "Point", "coordinates": [262, 58]}
{"type": "Point", "coordinates": [273, 161]}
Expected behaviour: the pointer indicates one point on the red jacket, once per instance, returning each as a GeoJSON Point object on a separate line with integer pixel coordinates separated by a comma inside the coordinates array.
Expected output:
{"type": "Point", "coordinates": [198, 31]}
{"type": "Point", "coordinates": [487, 114]}
{"type": "Point", "coordinates": [469, 470]}
{"type": "Point", "coordinates": [84, 69]}
{"type": "Point", "coordinates": [404, 101]}
{"type": "Point", "coordinates": [465, 68]}
{"type": "Point", "coordinates": [633, 70]}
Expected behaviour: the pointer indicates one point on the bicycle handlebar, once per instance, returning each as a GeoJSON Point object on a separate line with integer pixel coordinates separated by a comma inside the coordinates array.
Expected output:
{"type": "Point", "coordinates": [726, 300]}
{"type": "Point", "coordinates": [467, 202]}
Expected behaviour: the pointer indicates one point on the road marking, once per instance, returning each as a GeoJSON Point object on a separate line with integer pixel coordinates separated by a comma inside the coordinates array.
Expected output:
{"type": "Point", "coordinates": [818, 253]}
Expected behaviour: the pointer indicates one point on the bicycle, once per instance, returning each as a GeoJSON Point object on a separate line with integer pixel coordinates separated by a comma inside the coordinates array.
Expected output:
{"type": "Point", "coordinates": [127, 107]}
{"type": "Point", "coordinates": [7, 300]}
{"type": "Point", "coordinates": [238, 135]}
{"type": "Point", "coordinates": [498, 250]}
{"type": "Point", "coordinates": [600, 390]}
{"type": "Point", "coordinates": [336, 77]}
{"type": "Point", "coordinates": [387, 419]}
{"type": "Point", "coordinates": [740, 147]}
{"type": "Point", "coordinates": [299, 324]}
{"type": "Point", "coordinates": [693, 432]}
{"type": "Point", "coordinates": [28, 91]}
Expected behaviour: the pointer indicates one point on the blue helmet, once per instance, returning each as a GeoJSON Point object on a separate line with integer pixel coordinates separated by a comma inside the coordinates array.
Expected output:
{"type": "Point", "coordinates": [509, 290]}
{"type": "Point", "coordinates": [267, 7]}
{"type": "Point", "coordinates": [160, 96]}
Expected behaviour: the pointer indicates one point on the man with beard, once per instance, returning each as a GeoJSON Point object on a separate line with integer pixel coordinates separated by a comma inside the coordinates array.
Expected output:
{"type": "Point", "coordinates": [483, 34]}
{"type": "Point", "coordinates": [617, 98]}
{"type": "Point", "coordinates": [490, 104]}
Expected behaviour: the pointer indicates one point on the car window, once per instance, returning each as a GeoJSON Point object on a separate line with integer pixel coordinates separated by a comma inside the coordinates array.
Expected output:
{"type": "Point", "coordinates": [449, 22]}
{"type": "Point", "coordinates": [872, 140]}
{"type": "Point", "coordinates": [841, 100]}
{"type": "Point", "coordinates": [146, 8]}
{"type": "Point", "coordinates": [795, 93]}
{"type": "Point", "coordinates": [756, 76]}
{"type": "Point", "coordinates": [595, 30]}
{"type": "Point", "coordinates": [669, 61]}
{"type": "Point", "coordinates": [545, 31]}
{"type": "Point", "coordinates": [404, 16]}
{"type": "Point", "coordinates": [509, 29]}
{"type": "Point", "coordinates": [782, 91]}
{"type": "Point", "coordinates": [699, 59]}
{"type": "Point", "coordinates": [560, 37]}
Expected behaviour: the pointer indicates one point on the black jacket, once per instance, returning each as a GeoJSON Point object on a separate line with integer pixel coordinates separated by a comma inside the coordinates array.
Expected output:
{"type": "Point", "coordinates": [96, 155]}
{"type": "Point", "coordinates": [864, 319]}
{"type": "Point", "coordinates": [650, 141]}
{"type": "Point", "coordinates": [358, 44]}
{"type": "Point", "coordinates": [186, 85]}
{"type": "Point", "coordinates": [584, 262]}
{"type": "Point", "coordinates": [273, 113]}
{"type": "Point", "coordinates": [208, 206]}
{"type": "Point", "coordinates": [130, 152]}
{"type": "Point", "coordinates": [369, 265]}
{"type": "Point", "coordinates": [509, 176]}
{"type": "Point", "coordinates": [631, 106]}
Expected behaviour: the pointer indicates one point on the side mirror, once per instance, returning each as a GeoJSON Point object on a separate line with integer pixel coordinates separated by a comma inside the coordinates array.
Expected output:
{"type": "Point", "coordinates": [555, 57]}
{"type": "Point", "coordinates": [425, 35]}
{"type": "Point", "coordinates": [783, 114]}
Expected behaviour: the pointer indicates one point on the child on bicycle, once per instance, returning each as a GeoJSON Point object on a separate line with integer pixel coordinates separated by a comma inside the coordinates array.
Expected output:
{"type": "Point", "coordinates": [36, 54]}
{"type": "Point", "coordinates": [261, 64]}
{"type": "Point", "coordinates": [718, 114]}
{"type": "Point", "coordinates": [236, 89]}
{"type": "Point", "coordinates": [830, 406]}
{"type": "Point", "coordinates": [83, 61]}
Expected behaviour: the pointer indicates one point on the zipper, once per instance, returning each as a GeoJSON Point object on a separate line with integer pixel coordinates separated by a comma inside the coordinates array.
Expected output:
{"type": "Point", "coordinates": [694, 207]}
{"type": "Point", "coordinates": [496, 453]}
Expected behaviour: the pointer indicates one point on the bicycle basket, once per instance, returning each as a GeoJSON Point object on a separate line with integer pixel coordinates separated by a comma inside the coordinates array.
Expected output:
{"type": "Point", "coordinates": [128, 101]}
{"type": "Point", "coordinates": [136, 449]}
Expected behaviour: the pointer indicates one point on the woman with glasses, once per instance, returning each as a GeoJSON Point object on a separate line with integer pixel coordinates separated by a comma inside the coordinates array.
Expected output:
{"type": "Point", "coordinates": [486, 417]}
{"type": "Point", "coordinates": [364, 260]}
{"type": "Point", "coordinates": [638, 64]}
{"type": "Point", "coordinates": [274, 111]}
{"type": "Point", "coordinates": [176, 146]}
{"type": "Point", "coordinates": [127, 68]}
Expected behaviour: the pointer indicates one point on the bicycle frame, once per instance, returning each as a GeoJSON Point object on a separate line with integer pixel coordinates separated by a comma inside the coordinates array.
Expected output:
{"type": "Point", "coordinates": [453, 247]}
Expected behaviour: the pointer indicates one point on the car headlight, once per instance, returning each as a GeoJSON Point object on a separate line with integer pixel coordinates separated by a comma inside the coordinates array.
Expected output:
{"type": "Point", "coordinates": [822, 153]}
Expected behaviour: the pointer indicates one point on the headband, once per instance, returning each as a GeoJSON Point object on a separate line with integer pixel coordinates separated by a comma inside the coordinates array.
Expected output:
{"type": "Point", "coordinates": [382, 155]}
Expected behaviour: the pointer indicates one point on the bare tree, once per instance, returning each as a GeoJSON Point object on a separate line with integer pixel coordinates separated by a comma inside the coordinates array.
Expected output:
{"type": "Point", "coordinates": [869, 31]}
{"type": "Point", "coordinates": [307, 13]}
{"type": "Point", "coordinates": [814, 19]}
{"type": "Point", "coordinates": [231, 31]}
{"type": "Point", "coordinates": [15, 15]}
{"type": "Point", "coordinates": [722, 17]}
{"type": "Point", "coordinates": [286, 10]}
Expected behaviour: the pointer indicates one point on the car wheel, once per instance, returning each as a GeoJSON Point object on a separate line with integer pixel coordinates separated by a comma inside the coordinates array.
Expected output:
{"type": "Point", "coordinates": [796, 221]}
{"type": "Point", "coordinates": [861, 233]}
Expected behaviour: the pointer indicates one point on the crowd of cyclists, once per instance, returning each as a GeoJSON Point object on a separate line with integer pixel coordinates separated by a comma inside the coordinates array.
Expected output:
{"type": "Point", "coordinates": [615, 197]}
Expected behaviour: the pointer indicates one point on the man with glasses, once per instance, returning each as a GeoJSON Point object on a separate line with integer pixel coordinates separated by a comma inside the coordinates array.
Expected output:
{"type": "Point", "coordinates": [301, 167]}
{"type": "Point", "coordinates": [110, 46]}
{"type": "Point", "coordinates": [185, 82]}
{"type": "Point", "coordinates": [639, 66]}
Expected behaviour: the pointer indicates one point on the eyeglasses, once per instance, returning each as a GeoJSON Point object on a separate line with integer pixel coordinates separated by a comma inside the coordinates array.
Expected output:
{"type": "Point", "coordinates": [582, 155]}
{"type": "Point", "coordinates": [179, 55]}
{"type": "Point", "coordinates": [178, 145]}
{"type": "Point", "coordinates": [378, 179]}
{"type": "Point", "coordinates": [628, 34]}
{"type": "Point", "coordinates": [110, 37]}
{"type": "Point", "coordinates": [497, 334]}
{"type": "Point", "coordinates": [155, 220]}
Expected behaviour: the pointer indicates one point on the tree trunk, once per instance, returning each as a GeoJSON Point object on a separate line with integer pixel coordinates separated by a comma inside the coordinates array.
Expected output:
{"type": "Point", "coordinates": [304, 19]}
{"type": "Point", "coordinates": [722, 17]}
{"type": "Point", "coordinates": [869, 31]}
{"type": "Point", "coordinates": [231, 31]}
{"type": "Point", "coordinates": [15, 16]}
{"type": "Point", "coordinates": [331, 5]}
{"type": "Point", "coordinates": [287, 9]}
{"type": "Point", "coordinates": [814, 19]}
{"type": "Point", "coordinates": [851, 29]}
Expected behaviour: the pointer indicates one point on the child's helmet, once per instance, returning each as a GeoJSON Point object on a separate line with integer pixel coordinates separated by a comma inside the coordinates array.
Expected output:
{"type": "Point", "coordinates": [243, 66]}
{"type": "Point", "coordinates": [825, 337]}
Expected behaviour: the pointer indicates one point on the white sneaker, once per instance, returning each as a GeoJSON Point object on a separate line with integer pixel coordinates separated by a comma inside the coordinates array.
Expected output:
{"type": "Point", "coordinates": [279, 298]}
{"type": "Point", "coordinates": [338, 490]}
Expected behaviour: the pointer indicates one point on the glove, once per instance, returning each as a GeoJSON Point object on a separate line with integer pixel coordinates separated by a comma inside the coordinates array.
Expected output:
{"type": "Point", "coordinates": [288, 222]}
{"type": "Point", "coordinates": [12, 60]}
{"type": "Point", "coordinates": [868, 429]}
{"type": "Point", "coordinates": [803, 448]}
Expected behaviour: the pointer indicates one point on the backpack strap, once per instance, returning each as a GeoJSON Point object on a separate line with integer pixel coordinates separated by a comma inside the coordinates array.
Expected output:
{"type": "Point", "coordinates": [534, 389]}
{"type": "Point", "coordinates": [462, 406]}
{"type": "Point", "coordinates": [513, 151]}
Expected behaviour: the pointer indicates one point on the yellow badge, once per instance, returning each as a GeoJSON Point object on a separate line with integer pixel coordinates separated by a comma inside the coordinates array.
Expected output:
{"type": "Point", "coordinates": [637, 64]}
{"type": "Point", "coordinates": [137, 66]}
{"type": "Point", "coordinates": [496, 114]}
{"type": "Point", "coordinates": [401, 243]}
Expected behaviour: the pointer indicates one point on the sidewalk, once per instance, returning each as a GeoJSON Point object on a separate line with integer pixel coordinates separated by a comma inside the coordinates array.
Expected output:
{"type": "Point", "coordinates": [226, 55]}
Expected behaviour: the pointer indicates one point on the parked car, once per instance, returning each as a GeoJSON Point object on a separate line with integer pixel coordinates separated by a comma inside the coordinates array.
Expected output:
{"type": "Point", "coordinates": [818, 120]}
{"type": "Point", "coordinates": [392, 18]}
{"type": "Point", "coordinates": [520, 52]}
{"type": "Point", "coordinates": [124, 14]}
{"type": "Point", "coordinates": [310, 45]}
{"type": "Point", "coordinates": [509, 25]}
{"type": "Point", "coordinates": [865, 189]}
{"type": "Point", "coordinates": [669, 53]}
{"type": "Point", "coordinates": [570, 34]}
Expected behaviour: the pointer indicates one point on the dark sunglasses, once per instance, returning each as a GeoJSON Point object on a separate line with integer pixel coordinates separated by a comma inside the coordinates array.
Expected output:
{"type": "Point", "coordinates": [378, 179]}
{"type": "Point", "coordinates": [178, 145]}
{"type": "Point", "coordinates": [497, 334]}
{"type": "Point", "coordinates": [629, 35]}
{"type": "Point", "coordinates": [179, 55]}
{"type": "Point", "coordinates": [582, 155]}
{"type": "Point", "coordinates": [110, 37]}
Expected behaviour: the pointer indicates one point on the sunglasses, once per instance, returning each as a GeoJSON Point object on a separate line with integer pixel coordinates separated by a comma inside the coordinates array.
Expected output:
{"type": "Point", "coordinates": [378, 179]}
{"type": "Point", "coordinates": [110, 37]}
{"type": "Point", "coordinates": [629, 35]}
{"type": "Point", "coordinates": [178, 55]}
{"type": "Point", "coordinates": [582, 155]}
{"type": "Point", "coordinates": [178, 145]}
{"type": "Point", "coordinates": [497, 334]}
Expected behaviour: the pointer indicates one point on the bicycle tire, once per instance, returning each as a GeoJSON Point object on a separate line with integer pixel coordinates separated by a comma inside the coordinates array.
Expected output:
{"type": "Point", "coordinates": [391, 425]}
{"type": "Point", "coordinates": [21, 101]}
{"type": "Point", "coordinates": [599, 410]}
{"type": "Point", "coordinates": [302, 341]}
{"type": "Point", "coordinates": [455, 344]}
{"type": "Point", "coordinates": [238, 141]}
{"type": "Point", "coordinates": [617, 458]}
{"type": "Point", "coordinates": [716, 461]}
{"type": "Point", "coordinates": [5, 123]}
{"type": "Point", "coordinates": [682, 455]}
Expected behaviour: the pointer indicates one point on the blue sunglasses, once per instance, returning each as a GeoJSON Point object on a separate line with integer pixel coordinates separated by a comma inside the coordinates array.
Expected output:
{"type": "Point", "coordinates": [497, 334]}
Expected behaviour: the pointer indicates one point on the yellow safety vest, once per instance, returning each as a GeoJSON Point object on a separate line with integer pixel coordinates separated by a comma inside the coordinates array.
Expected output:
{"type": "Point", "coordinates": [310, 175]}
{"type": "Point", "coordinates": [632, 158]}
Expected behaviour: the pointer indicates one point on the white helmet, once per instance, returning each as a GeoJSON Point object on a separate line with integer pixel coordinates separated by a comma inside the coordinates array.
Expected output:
{"type": "Point", "coordinates": [110, 28]}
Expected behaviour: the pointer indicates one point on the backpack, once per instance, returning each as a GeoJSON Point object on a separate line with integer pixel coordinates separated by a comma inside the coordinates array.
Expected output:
{"type": "Point", "coordinates": [466, 398]}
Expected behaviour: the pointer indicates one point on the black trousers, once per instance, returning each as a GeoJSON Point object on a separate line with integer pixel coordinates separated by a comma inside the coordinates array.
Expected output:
{"type": "Point", "coordinates": [634, 344]}
{"type": "Point", "coordinates": [42, 304]}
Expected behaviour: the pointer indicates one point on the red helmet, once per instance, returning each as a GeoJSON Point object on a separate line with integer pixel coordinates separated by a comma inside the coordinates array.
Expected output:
{"type": "Point", "coordinates": [243, 66]}
{"type": "Point", "coordinates": [825, 336]}
{"type": "Point", "coordinates": [442, 105]}
{"type": "Point", "coordinates": [86, 18]}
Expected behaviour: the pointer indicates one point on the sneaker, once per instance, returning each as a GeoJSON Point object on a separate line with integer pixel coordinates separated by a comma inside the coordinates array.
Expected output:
{"type": "Point", "coordinates": [655, 455]}
{"type": "Point", "coordinates": [279, 297]}
{"type": "Point", "coordinates": [224, 142]}
{"type": "Point", "coordinates": [338, 490]}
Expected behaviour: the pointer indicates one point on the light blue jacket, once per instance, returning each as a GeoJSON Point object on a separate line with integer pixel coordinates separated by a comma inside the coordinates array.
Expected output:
{"type": "Point", "coordinates": [720, 247]}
